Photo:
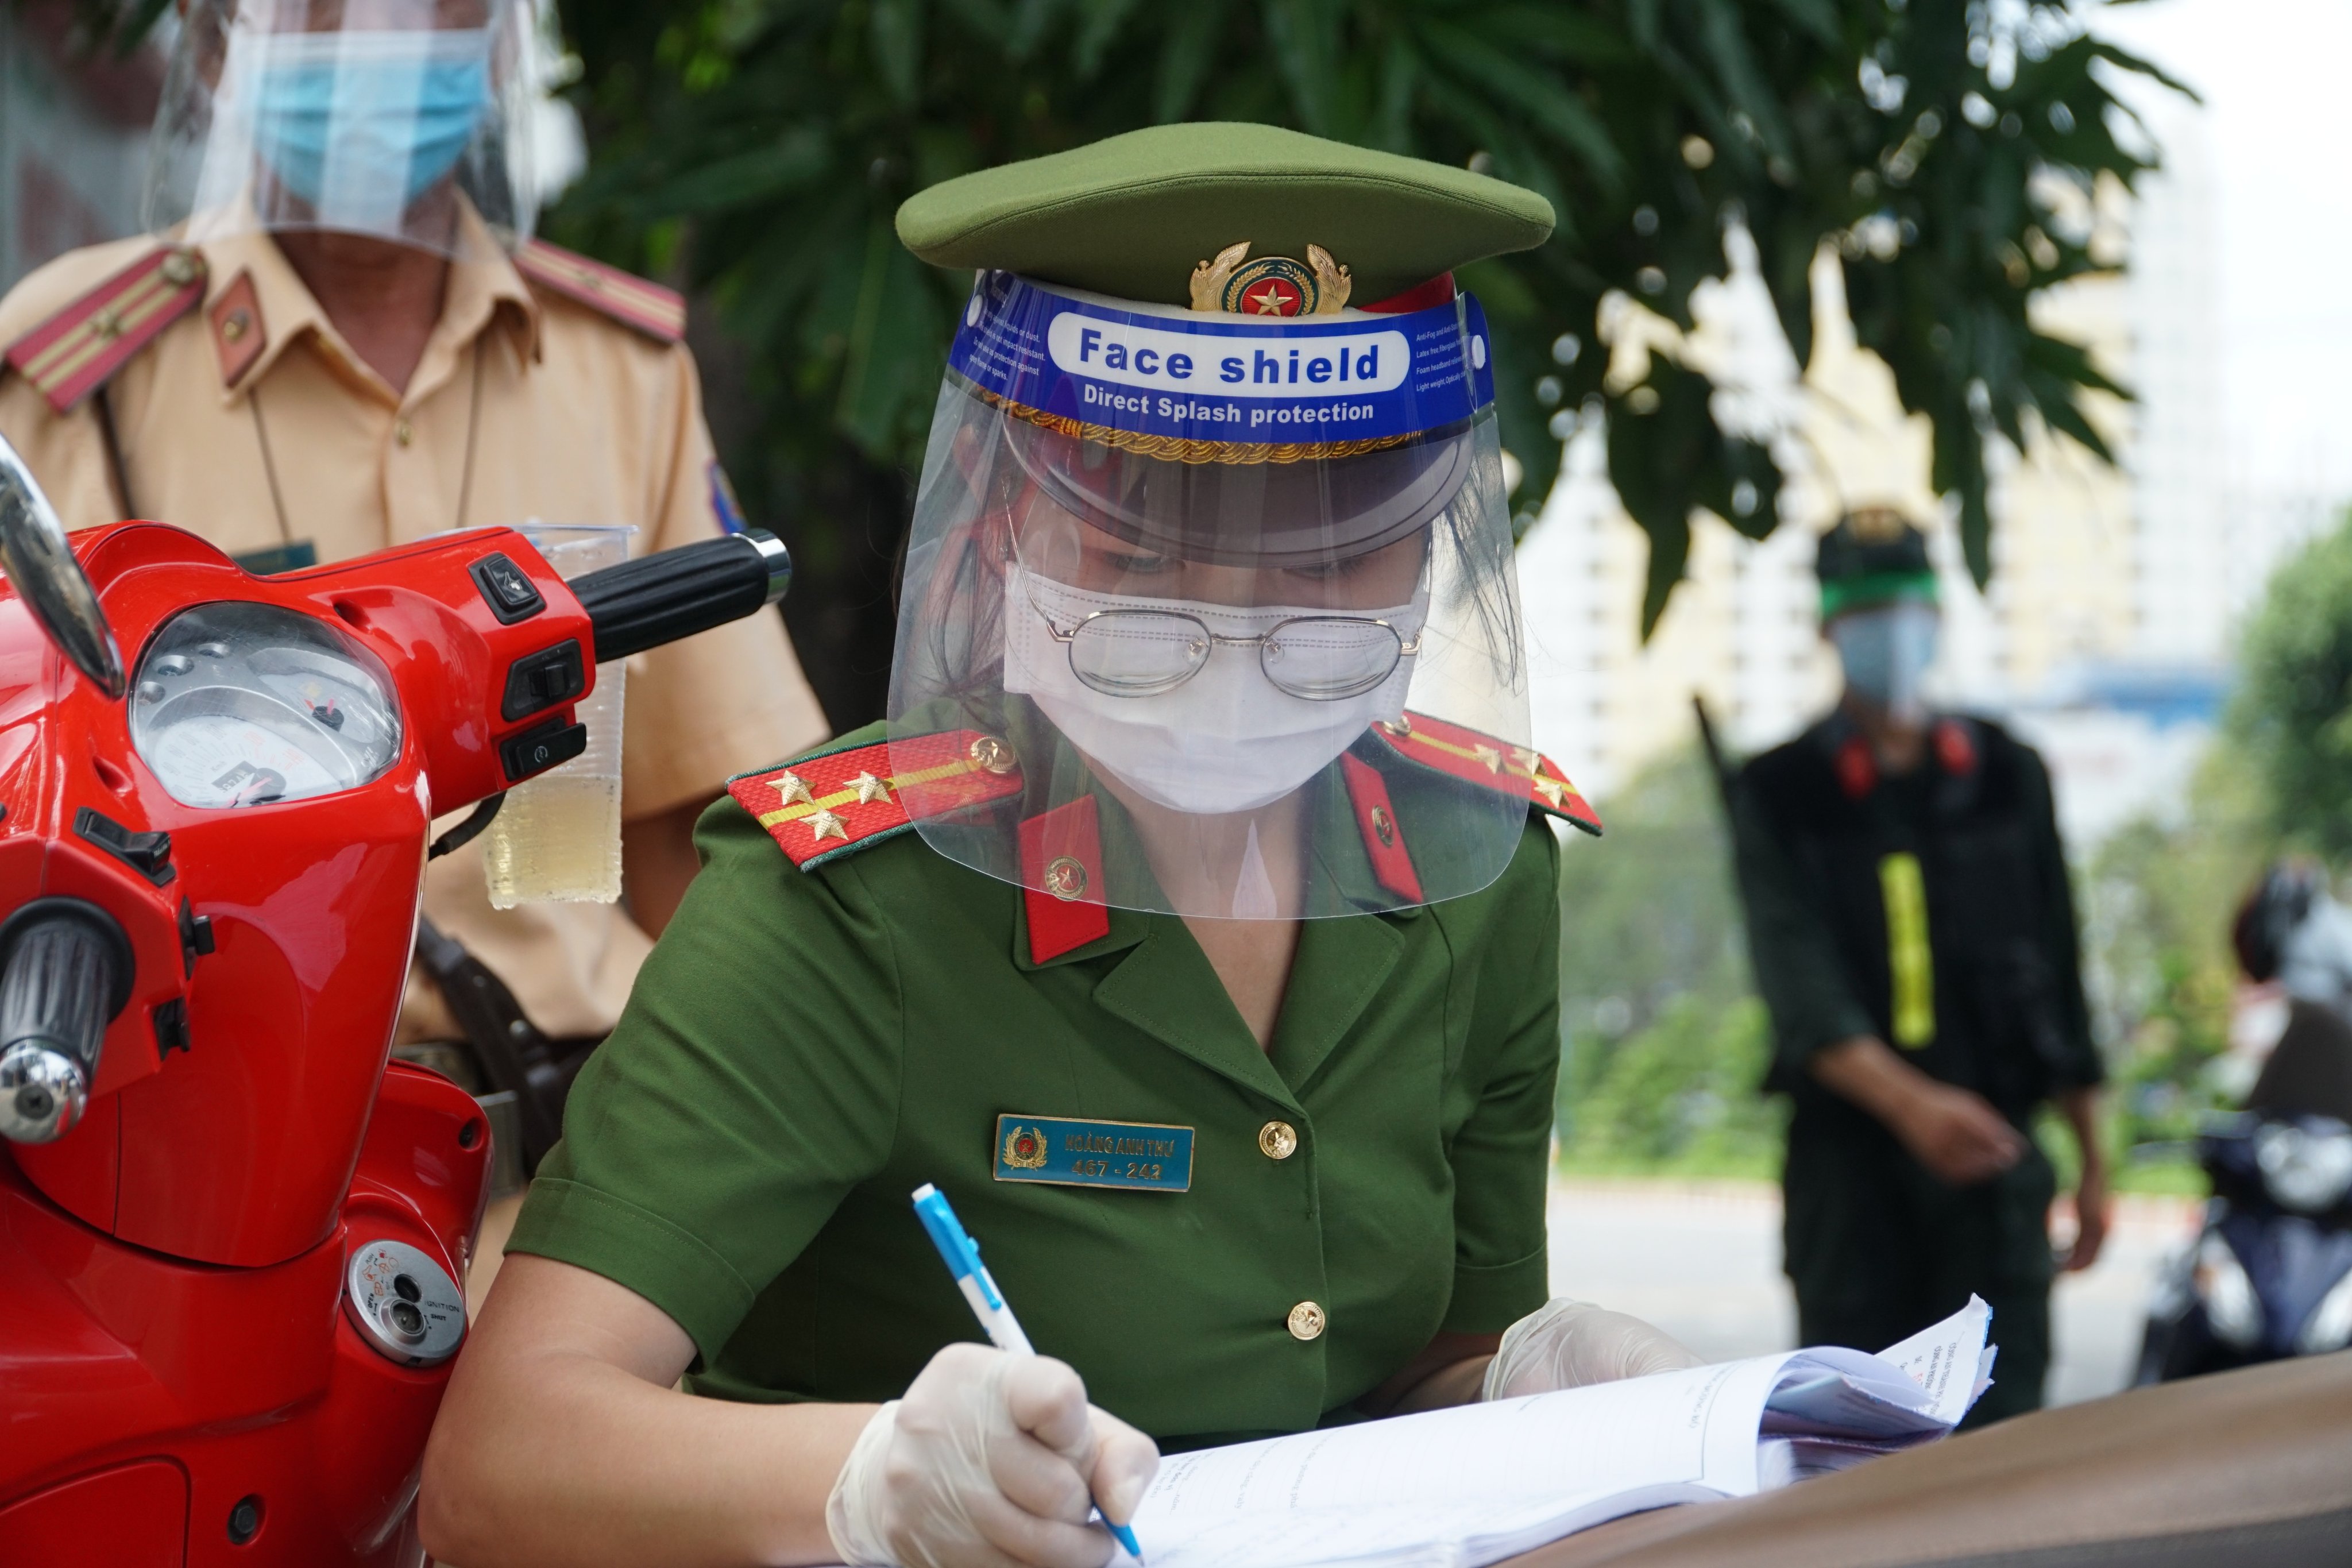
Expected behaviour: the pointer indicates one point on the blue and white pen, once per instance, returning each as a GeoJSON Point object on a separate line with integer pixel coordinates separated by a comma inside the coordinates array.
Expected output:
{"type": "Point", "coordinates": [962, 1254]}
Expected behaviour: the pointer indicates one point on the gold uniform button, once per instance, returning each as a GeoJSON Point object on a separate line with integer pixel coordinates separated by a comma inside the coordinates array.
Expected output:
{"type": "Point", "coordinates": [1278, 1140]}
{"type": "Point", "coordinates": [402, 434]}
{"type": "Point", "coordinates": [1306, 1321]}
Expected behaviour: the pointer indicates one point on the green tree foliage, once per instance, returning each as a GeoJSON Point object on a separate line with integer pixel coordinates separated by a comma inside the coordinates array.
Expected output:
{"type": "Point", "coordinates": [782, 136]}
{"type": "Point", "coordinates": [2292, 712]}
{"type": "Point", "coordinates": [756, 149]}
{"type": "Point", "coordinates": [1665, 1045]}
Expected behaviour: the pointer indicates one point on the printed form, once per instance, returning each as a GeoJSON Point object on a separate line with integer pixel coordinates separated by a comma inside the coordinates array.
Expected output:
{"type": "Point", "coordinates": [1461, 1488]}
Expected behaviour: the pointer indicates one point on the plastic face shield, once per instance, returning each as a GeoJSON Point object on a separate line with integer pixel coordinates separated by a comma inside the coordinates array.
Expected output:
{"type": "Point", "coordinates": [1217, 586]}
{"type": "Point", "coordinates": [385, 118]}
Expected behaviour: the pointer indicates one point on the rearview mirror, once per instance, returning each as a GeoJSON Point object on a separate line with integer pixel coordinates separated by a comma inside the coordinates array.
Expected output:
{"type": "Point", "coordinates": [41, 567]}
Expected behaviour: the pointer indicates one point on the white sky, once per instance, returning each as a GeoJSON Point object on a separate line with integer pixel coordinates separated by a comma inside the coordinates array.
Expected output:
{"type": "Point", "coordinates": [2272, 75]}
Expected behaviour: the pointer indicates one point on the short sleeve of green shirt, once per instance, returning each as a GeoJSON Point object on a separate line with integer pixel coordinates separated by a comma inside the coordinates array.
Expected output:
{"type": "Point", "coordinates": [752, 1081]}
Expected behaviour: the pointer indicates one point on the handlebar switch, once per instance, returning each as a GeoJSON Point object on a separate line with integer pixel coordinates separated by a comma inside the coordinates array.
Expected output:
{"type": "Point", "coordinates": [542, 680]}
{"type": "Point", "coordinates": [542, 747]}
{"type": "Point", "coordinates": [506, 589]}
{"type": "Point", "coordinates": [148, 853]}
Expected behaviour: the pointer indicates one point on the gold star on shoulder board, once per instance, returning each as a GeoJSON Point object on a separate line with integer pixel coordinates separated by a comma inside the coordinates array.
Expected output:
{"type": "Point", "coordinates": [1490, 756]}
{"type": "Point", "coordinates": [823, 825]}
{"type": "Point", "coordinates": [1551, 790]}
{"type": "Point", "coordinates": [795, 791]}
{"type": "Point", "coordinates": [870, 789]}
{"type": "Point", "coordinates": [1524, 758]}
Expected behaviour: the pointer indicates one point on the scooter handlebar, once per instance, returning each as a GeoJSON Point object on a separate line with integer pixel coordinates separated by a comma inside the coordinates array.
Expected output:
{"type": "Point", "coordinates": [660, 598]}
{"type": "Point", "coordinates": [67, 972]}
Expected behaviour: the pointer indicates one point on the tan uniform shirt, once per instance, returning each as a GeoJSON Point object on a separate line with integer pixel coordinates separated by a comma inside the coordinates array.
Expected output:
{"type": "Point", "coordinates": [569, 417]}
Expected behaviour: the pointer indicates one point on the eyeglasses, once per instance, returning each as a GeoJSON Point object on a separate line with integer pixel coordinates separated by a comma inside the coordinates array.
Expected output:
{"type": "Point", "coordinates": [1143, 653]}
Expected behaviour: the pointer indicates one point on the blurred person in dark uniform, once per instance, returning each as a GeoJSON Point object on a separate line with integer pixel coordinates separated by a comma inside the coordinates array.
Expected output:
{"type": "Point", "coordinates": [1914, 937]}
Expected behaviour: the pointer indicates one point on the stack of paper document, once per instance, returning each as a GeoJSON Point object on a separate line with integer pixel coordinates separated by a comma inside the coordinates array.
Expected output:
{"type": "Point", "coordinates": [1460, 1487]}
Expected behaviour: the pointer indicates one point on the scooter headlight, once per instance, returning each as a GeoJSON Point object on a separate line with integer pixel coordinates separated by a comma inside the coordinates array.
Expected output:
{"type": "Point", "coordinates": [2232, 1307]}
{"type": "Point", "coordinates": [2329, 1326]}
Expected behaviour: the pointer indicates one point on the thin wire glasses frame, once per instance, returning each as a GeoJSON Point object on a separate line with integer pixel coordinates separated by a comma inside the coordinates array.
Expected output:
{"type": "Point", "coordinates": [1378, 648]}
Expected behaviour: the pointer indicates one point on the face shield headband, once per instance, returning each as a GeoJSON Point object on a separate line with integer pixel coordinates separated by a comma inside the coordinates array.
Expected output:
{"type": "Point", "coordinates": [1200, 575]}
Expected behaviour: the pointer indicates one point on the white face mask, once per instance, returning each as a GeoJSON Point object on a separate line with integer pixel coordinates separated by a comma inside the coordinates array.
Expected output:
{"type": "Point", "coordinates": [1227, 740]}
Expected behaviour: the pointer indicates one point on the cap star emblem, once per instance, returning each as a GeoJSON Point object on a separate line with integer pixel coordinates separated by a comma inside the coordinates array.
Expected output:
{"type": "Point", "coordinates": [823, 825]}
{"type": "Point", "coordinates": [795, 791]}
{"type": "Point", "coordinates": [1269, 300]}
{"type": "Point", "coordinates": [870, 789]}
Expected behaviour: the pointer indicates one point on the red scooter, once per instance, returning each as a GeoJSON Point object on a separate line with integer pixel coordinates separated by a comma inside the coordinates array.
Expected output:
{"type": "Point", "coordinates": [232, 1235]}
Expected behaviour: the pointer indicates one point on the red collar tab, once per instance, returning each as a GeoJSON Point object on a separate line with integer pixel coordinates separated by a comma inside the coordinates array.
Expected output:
{"type": "Point", "coordinates": [77, 351]}
{"type": "Point", "coordinates": [1376, 819]}
{"type": "Point", "coordinates": [821, 806]}
{"type": "Point", "coordinates": [648, 308]}
{"type": "Point", "coordinates": [1857, 769]}
{"type": "Point", "coordinates": [1465, 755]}
{"type": "Point", "coordinates": [1061, 879]}
{"type": "Point", "coordinates": [1438, 290]}
{"type": "Point", "coordinates": [1955, 749]}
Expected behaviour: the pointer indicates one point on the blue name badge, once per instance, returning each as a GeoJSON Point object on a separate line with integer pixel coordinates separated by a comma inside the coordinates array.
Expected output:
{"type": "Point", "coordinates": [1138, 1156]}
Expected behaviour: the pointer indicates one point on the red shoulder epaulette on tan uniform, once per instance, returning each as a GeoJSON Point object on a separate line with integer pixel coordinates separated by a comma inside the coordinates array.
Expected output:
{"type": "Point", "coordinates": [824, 806]}
{"type": "Point", "coordinates": [656, 311]}
{"type": "Point", "coordinates": [74, 352]}
{"type": "Point", "coordinates": [1478, 759]}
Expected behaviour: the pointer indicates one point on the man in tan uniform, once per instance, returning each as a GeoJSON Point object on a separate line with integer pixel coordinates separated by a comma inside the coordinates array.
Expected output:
{"type": "Point", "coordinates": [294, 388]}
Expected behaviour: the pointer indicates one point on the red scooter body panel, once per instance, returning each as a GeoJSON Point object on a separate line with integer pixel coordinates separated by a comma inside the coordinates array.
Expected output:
{"type": "Point", "coordinates": [176, 1364]}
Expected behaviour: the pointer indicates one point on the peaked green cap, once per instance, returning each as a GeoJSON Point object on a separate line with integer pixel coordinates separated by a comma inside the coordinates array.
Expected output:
{"type": "Point", "coordinates": [1132, 215]}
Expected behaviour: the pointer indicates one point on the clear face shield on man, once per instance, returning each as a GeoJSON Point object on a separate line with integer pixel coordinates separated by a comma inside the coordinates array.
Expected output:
{"type": "Point", "coordinates": [395, 119]}
{"type": "Point", "coordinates": [1222, 624]}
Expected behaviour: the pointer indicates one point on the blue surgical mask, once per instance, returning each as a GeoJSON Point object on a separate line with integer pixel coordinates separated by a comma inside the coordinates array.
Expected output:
{"type": "Point", "coordinates": [1886, 652]}
{"type": "Point", "coordinates": [359, 124]}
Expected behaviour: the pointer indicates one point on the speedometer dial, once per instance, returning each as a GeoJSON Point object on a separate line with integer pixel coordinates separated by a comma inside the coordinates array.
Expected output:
{"type": "Point", "coordinates": [224, 759]}
{"type": "Point", "coordinates": [241, 704]}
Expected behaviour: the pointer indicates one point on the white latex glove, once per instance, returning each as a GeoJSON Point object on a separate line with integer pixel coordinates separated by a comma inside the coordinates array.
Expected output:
{"type": "Point", "coordinates": [1568, 1344]}
{"type": "Point", "coordinates": [987, 1463]}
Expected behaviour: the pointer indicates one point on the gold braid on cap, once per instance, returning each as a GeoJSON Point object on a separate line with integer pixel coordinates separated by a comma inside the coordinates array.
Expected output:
{"type": "Point", "coordinates": [1175, 449]}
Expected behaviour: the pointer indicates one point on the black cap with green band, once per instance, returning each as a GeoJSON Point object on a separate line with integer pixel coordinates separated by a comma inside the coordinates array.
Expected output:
{"type": "Point", "coordinates": [1874, 556]}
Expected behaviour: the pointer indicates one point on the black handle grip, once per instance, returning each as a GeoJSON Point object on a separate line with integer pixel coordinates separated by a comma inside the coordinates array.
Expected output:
{"type": "Point", "coordinates": [66, 972]}
{"type": "Point", "coordinates": [658, 599]}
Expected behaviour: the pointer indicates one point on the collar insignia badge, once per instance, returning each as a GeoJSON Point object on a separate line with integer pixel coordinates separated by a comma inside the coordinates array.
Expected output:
{"type": "Point", "coordinates": [1272, 285]}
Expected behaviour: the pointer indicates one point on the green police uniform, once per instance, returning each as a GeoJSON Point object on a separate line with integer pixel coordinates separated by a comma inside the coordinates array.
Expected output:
{"type": "Point", "coordinates": [1932, 912]}
{"type": "Point", "coordinates": [1222, 1240]}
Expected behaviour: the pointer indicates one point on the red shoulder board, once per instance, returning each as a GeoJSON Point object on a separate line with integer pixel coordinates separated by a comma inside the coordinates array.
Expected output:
{"type": "Point", "coordinates": [73, 353]}
{"type": "Point", "coordinates": [656, 311]}
{"type": "Point", "coordinates": [829, 804]}
{"type": "Point", "coordinates": [1479, 759]}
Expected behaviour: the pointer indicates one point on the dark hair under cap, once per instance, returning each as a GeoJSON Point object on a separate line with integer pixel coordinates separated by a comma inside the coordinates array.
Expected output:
{"type": "Point", "coordinates": [1874, 556]}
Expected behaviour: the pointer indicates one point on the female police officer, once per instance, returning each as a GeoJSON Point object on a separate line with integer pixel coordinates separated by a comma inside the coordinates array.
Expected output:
{"type": "Point", "coordinates": [1215, 981]}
